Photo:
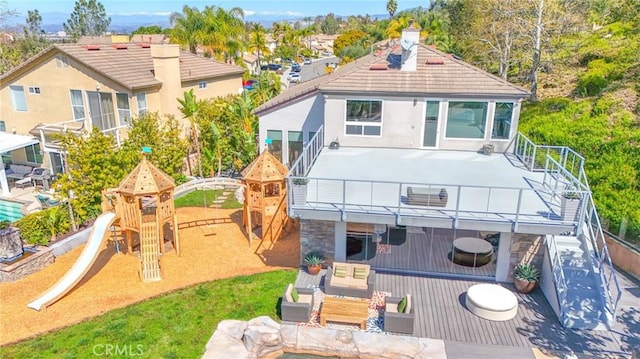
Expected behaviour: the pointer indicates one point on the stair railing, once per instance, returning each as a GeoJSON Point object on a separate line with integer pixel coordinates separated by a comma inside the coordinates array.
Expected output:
{"type": "Point", "coordinates": [558, 275]}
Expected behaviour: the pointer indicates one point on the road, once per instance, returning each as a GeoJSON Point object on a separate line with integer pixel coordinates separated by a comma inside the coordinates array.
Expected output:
{"type": "Point", "coordinates": [312, 71]}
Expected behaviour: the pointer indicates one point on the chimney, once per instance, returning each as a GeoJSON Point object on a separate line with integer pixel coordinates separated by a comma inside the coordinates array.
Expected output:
{"type": "Point", "coordinates": [409, 44]}
{"type": "Point", "coordinates": [166, 69]}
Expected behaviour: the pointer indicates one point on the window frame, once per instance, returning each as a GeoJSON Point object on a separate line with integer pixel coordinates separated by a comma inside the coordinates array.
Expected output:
{"type": "Point", "coordinates": [281, 150]}
{"type": "Point", "coordinates": [141, 109]}
{"type": "Point", "coordinates": [74, 106]}
{"type": "Point", "coordinates": [37, 155]}
{"type": "Point", "coordinates": [34, 90]}
{"type": "Point", "coordinates": [487, 109]}
{"type": "Point", "coordinates": [12, 91]}
{"type": "Point", "coordinates": [363, 124]}
{"type": "Point", "coordinates": [202, 85]}
{"type": "Point", "coordinates": [127, 118]}
{"type": "Point", "coordinates": [510, 122]}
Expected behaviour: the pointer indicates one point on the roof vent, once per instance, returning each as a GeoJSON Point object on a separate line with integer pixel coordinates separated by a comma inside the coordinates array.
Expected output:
{"type": "Point", "coordinates": [91, 47]}
{"type": "Point", "coordinates": [378, 67]}
{"type": "Point", "coordinates": [435, 61]}
{"type": "Point", "coordinates": [120, 46]}
{"type": "Point", "coordinates": [144, 45]}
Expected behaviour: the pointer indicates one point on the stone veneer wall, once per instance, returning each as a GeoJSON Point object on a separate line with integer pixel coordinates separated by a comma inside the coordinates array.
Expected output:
{"type": "Point", "coordinates": [317, 236]}
{"type": "Point", "coordinates": [526, 248]}
{"type": "Point", "coordinates": [31, 264]}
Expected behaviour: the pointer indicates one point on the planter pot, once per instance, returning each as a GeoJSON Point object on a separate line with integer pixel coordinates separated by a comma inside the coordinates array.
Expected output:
{"type": "Point", "coordinates": [299, 193]}
{"type": "Point", "coordinates": [314, 269]}
{"type": "Point", "coordinates": [524, 286]}
{"type": "Point", "coordinates": [569, 208]}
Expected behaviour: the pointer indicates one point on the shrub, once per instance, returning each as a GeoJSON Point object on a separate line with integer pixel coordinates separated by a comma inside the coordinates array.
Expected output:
{"type": "Point", "coordinates": [40, 227]}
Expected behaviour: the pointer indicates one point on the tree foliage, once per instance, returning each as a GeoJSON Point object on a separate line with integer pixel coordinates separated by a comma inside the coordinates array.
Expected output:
{"type": "Point", "coordinates": [88, 18]}
{"type": "Point", "coordinates": [392, 6]}
{"type": "Point", "coordinates": [153, 29]}
{"type": "Point", "coordinates": [19, 50]}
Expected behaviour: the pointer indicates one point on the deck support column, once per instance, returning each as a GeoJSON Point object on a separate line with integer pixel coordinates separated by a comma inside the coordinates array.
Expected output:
{"type": "Point", "coordinates": [340, 240]}
{"type": "Point", "coordinates": [504, 253]}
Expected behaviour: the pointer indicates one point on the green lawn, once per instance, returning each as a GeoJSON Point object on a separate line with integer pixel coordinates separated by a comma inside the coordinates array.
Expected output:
{"type": "Point", "coordinates": [176, 325]}
{"type": "Point", "coordinates": [197, 199]}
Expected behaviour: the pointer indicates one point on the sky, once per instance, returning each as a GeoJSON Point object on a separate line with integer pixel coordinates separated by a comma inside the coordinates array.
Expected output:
{"type": "Point", "coordinates": [298, 8]}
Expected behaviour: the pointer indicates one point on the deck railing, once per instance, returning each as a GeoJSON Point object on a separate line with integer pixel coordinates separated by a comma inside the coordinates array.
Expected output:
{"type": "Point", "coordinates": [564, 171]}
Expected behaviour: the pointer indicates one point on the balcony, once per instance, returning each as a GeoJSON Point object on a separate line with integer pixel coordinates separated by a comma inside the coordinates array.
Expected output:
{"type": "Point", "coordinates": [47, 132]}
{"type": "Point", "coordinates": [516, 191]}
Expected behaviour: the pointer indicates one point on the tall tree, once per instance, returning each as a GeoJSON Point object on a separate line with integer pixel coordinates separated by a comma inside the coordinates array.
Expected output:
{"type": "Point", "coordinates": [34, 23]}
{"type": "Point", "coordinates": [258, 41]}
{"type": "Point", "coordinates": [88, 18]}
{"type": "Point", "coordinates": [392, 6]}
{"type": "Point", "coordinates": [329, 25]}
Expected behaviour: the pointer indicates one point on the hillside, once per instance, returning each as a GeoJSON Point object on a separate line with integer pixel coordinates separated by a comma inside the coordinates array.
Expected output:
{"type": "Point", "coordinates": [589, 100]}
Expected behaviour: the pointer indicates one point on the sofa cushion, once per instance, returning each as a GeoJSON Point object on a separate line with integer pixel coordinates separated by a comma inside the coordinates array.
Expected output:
{"type": "Point", "coordinates": [340, 282]}
{"type": "Point", "coordinates": [287, 293]}
{"type": "Point", "coordinates": [409, 304]}
{"type": "Point", "coordinates": [402, 306]}
{"type": "Point", "coordinates": [391, 308]}
{"type": "Point", "coordinates": [305, 298]}
{"type": "Point", "coordinates": [340, 271]}
{"type": "Point", "coordinates": [359, 273]}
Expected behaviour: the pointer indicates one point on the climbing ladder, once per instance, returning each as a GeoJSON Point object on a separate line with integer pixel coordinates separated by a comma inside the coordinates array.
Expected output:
{"type": "Point", "coordinates": [149, 252]}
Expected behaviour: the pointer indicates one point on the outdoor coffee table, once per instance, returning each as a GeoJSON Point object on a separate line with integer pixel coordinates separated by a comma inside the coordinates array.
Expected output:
{"type": "Point", "coordinates": [345, 311]}
{"type": "Point", "coordinates": [471, 251]}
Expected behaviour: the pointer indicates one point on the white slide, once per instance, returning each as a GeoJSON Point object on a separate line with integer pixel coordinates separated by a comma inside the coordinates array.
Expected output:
{"type": "Point", "coordinates": [81, 266]}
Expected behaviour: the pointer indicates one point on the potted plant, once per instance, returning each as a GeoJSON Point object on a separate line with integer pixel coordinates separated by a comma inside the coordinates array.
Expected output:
{"type": "Point", "coordinates": [570, 205]}
{"type": "Point", "coordinates": [526, 277]}
{"type": "Point", "coordinates": [299, 191]}
{"type": "Point", "coordinates": [314, 261]}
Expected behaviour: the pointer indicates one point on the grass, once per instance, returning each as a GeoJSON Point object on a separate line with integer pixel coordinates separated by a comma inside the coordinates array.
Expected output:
{"type": "Point", "coordinates": [197, 199]}
{"type": "Point", "coordinates": [175, 325]}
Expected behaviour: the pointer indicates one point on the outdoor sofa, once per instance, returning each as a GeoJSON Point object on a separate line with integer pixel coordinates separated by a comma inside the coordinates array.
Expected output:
{"type": "Point", "coordinates": [296, 311]}
{"type": "Point", "coordinates": [350, 280]}
{"type": "Point", "coordinates": [395, 321]}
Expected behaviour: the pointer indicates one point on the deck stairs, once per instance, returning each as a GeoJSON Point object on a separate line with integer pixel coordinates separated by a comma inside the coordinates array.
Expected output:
{"type": "Point", "coordinates": [578, 285]}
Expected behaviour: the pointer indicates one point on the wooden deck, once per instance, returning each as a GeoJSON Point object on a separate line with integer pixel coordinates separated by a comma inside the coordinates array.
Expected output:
{"type": "Point", "coordinates": [441, 314]}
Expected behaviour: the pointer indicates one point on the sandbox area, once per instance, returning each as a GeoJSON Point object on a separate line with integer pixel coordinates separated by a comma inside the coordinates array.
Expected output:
{"type": "Point", "coordinates": [208, 252]}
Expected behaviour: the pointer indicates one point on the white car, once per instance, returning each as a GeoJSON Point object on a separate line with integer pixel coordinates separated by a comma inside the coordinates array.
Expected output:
{"type": "Point", "coordinates": [293, 77]}
{"type": "Point", "coordinates": [307, 61]}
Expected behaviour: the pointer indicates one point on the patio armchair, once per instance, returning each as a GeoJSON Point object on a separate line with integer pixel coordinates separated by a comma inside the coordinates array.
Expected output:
{"type": "Point", "coordinates": [399, 322]}
{"type": "Point", "coordinates": [299, 310]}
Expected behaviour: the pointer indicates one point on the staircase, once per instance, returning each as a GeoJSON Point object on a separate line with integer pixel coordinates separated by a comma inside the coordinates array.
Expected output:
{"type": "Point", "coordinates": [578, 284]}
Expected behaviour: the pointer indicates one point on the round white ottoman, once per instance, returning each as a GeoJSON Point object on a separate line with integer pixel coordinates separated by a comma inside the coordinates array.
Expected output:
{"type": "Point", "coordinates": [491, 301]}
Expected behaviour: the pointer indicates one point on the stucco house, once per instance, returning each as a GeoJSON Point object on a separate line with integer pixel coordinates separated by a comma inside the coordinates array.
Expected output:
{"type": "Point", "coordinates": [398, 158]}
{"type": "Point", "coordinates": [78, 87]}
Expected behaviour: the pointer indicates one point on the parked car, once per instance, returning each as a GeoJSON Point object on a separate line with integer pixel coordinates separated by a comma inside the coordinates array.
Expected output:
{"type": "Point", "coordinates": [307, 61]}
{"type": "Point", "coordinates": [295, 67]}
{"type": "Point", "coordinates": [274, 67]}
{"type": "Point", "coordinates": [294, 77]}
{"type": "Point", "coordinates": [327, 53]}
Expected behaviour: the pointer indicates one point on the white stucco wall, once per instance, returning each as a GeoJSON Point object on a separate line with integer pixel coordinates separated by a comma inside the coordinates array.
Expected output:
{"type": "Point", "coordinates": [305, 115]}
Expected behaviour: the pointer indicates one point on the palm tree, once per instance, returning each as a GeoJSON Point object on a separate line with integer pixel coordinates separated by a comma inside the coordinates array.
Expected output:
{"type": "Point", "coordinates": [258, 41]}
{"type": "Point", "coordinates": [189, 110]}
{"type": "Point", "coordinates": [392, 6]}
{"type": "Point", "coordinates": [187, 27]}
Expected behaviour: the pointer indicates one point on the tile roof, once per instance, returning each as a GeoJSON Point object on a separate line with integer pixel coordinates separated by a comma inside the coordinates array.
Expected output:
{"type": "Point", "coordinates": [437, 74]}
{"type": "Point", "coordinates": [131, 67]}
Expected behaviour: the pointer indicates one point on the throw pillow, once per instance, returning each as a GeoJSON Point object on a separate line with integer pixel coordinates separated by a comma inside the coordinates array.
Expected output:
{"type": "Point", "coordinates": [340, 271]}
{"type": "Point", "coordinates": [409, 304]}
{"type": "Point", "coordinates": [287, 293]}
{"type": "Point", "coordinates": [294, 295]}
{"type": "Point", "coordinates": [359, 273]}
{"type": "Point", "coordinates": [402, 306]}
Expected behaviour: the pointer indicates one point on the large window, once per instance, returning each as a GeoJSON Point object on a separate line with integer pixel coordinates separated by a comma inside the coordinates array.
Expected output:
{"type": "Point", "coordinates": [502, 121]}
{"type": "Point", "coordinates": [33, 153]}
{"type": "Point", "coordinates": [364, 117]}
{"type": "Point", "coordinates": [274, 143]}
{"type": "Point", "coordinates": [431, 124]}
{"type": "Point", "coordinates": [466, 119]}
{"type": "Point", "coordinates": [141, 99]}
{"type": "Point", "coordinates": [124, 112]}
{"type": "Point", "coordinates": [101, 110]}
{"type": "Point", "coordinates": [77, 105]}
{"type": "Point", "coordinates": [18, 99]}
{"type": "Point", "coordinates": [296, 145]}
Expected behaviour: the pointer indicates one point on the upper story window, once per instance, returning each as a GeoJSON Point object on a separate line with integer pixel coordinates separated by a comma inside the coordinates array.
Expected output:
{"type": "Point", "coordinates": [3, 126]}
{"type": "Point", "coordinates": [34, 90]}
{"type": "Point", "coordinates": [364, 117]}
{"type": "Point", "coordinates": [61, 61]}
{"type": "Point", "coordinates": [77, 105]}
{"type": "Point", "coordinates": [141, 99]}
{"type": "Point", "coordinates": [18, 99]}
{"type": "Point", "coordinates": [202, 85]}
{"type": "Point", "coordinates": [124, 112]}
{"type": "Point", "coordinates": [502, 121]}
{"type": "Point", "coordinates": [466, 119]}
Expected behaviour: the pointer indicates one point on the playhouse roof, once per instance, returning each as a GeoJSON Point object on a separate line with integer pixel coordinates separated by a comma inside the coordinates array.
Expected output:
{"type": "Point", "coordinates": [146, 179]}
{"type": "Point", "coordinates": [265, 168]}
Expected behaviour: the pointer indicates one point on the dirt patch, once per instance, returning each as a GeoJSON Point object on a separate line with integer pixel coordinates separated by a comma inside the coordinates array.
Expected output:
{"type": "Point", "coordinates": [208, 252]}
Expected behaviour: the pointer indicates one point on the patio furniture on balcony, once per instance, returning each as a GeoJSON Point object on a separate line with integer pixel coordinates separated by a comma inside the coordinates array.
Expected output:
{"type": "Point", "coordinates": [18, 171]}
{"type": "Point", "coordinates": [471, 251]}
{"type": "Point", "coordinates": [350, 279]}
{"type": "Point", "coordinates": [423, 196]}
{"type": "Point", "coordinates": [296, 304]}
{"type": "Point", "coordinates": [25, 182]}
{"type": "Point", "coordinates": [492, 302]}
{"type": "Point", "coordinates": [397, 321]}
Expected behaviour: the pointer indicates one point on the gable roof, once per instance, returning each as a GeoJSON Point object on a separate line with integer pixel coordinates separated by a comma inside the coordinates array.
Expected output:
{"type": "Point", "coordinates": [132, 66]}
{"type": "Point", "coordinates": [437, 74]}
{"type": "Point", "coordinates": [146, 179]}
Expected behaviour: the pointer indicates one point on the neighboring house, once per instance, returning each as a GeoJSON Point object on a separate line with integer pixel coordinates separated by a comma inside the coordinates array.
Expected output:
{"type": "Point", "coordinates": [77, 87]}
{"type": "Point", "coordinates": [251, 62]}
{"type": "Point", "coordinates": [395, 156]}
